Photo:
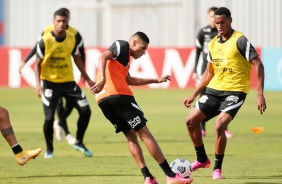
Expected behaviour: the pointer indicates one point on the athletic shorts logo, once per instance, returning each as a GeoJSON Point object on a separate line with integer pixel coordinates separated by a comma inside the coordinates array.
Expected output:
{"type": "Point", "coordinates": [203, 99]}
{"type": "Point", "coordinates": [48, 93]}
{"type": "Point", "coordinates": [232, 99]}
{"type": "Point", "coordinates": [133, 123]}
{"type": "Point", "coordinates": [82, 103]}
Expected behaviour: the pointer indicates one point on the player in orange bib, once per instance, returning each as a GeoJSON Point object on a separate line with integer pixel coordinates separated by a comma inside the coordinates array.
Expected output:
{"type": "Point", "coordinates": [118, 105]}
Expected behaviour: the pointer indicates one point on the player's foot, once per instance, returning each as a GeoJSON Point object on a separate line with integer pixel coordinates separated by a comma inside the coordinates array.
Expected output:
{"type": "Point", "coordinates": [26, 155]}
{"type": "Point", "coordinates": [203, 133]}
{"type": "Point", "coordinates": [70, 139]}
{"type": "Point", "coordinates": [83, 149]}
{"type": "Point", "coordinates": [58, 130]}
{"type": "Point", "coordinates": [216, 174]}
{"type": "Point", "coordinates": [178, 180]}
{"type": "Point", "coordinates": [149, 181]}
{"type": "Point", "coordinates": [196, 164]}
{"type": "Point", "coordinates": [228, 134]}
{"type": "Point", "coordinates": [48, 154]}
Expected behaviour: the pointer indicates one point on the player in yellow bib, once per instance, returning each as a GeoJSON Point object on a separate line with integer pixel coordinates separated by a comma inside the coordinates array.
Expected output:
{"type": "Point", "coordinates": [62, 111]}
{"type": "Point", "coordinates": [227, 82]}
{"type": "Point", "coordinates": [54, 68]}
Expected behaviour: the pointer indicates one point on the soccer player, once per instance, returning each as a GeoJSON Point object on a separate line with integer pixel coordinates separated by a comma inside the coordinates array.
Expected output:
{"type": "Point", "coordinates": [205, 35]}
{"type": "Point", "coordinates": [62, 112]}
{"type": "Point", "coordinates": [22, 156]}
{"type": "Point", "coordinates": [118, 105]}
{"type": "Point", "coordinates": [227, 82]}
{"type": "Point", "coordinates": [53, 66]}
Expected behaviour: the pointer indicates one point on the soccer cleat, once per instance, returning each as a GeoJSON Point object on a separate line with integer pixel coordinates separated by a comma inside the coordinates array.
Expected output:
{"type": "Point", "coordinates": [83, 149]}
{"type": "Point", "coordinates": [203, 133]}
{"type": "Point", "coordinates": [196, 164]}
{"type": "Point", "coordinates": [70, 139]}
{"type": "Point", "coordinates": [48, 155]}
{"type": "Point", "coordinates": [26, 155]}
{"type": "Point", "coordinates": [216, 174]}
{"type": "Point", "coordinates": [58, 130]}
{"type": "Point", "coordinates": [228, 134]}
{"type": "Point", "coordinates": [149, 181]}
{"type": "Point", "coordinates": [177, 179]}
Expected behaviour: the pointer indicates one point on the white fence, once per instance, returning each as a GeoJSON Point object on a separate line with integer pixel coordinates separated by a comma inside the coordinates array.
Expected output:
{"type": "Point", "coordinates": [166, 22]}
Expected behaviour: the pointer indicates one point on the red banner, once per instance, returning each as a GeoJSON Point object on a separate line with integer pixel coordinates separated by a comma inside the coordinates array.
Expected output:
{"type": "Point", "coordinates": [177, 62]}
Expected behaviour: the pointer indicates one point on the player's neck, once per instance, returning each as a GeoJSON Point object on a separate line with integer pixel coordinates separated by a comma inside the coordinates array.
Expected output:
{"type": "Point", "coordinates": [227, 36]}
{"type": "Point", "coordinates": [61, 34]}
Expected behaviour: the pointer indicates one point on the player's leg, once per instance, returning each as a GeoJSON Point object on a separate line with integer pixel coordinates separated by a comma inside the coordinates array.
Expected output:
{"type": "Point", "coordinates": [203, 123]}
{"type": "Point", "coordinates": [50, 96]}
{"type": "Point", "coordinates": [22, 156]}
{"type": "Point", "coordinates": [78, 99]}
{"type": "Point", "coordinates": [60, 124]}
{"type": "Point", "coordinates": [205, 108]}
{"type": "Point", "coordinates": [134, 117]}
{"type": "Point", "coordinates": [230, 105]}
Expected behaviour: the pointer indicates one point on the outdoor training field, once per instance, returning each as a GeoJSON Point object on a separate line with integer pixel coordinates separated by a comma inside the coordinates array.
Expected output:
{"type": "Point", "coordinates": [249, 159]}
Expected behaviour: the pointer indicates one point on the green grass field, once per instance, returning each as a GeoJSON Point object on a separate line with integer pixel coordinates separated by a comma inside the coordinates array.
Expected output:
{"type": "Point", "coordinates": [249, 159]}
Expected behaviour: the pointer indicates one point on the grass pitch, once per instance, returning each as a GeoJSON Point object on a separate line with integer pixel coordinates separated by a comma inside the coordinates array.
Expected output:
{"type": "Point", "coordinates": [249, 159]}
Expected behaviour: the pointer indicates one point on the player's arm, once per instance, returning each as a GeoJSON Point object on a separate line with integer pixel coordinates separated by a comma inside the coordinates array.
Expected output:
{"type": "Point", "coordinates": [80, 66]}
{"type": "Point", "coordinates": [248, 51]}
{"type": "Point", "coordinates": [30, 54]}
{"type": "Point", "coordinates": [135, 81]}
{"type": "Point", "coordinates": [206, 78]}
{"type": "Point", "coordinates": [40, 52]}
{"type": "Point", "coordinates": [102, 63]}
{"type": "Point", "coordinates": [81, 47]}
{"type": "Point", "coordinates": [199, 48]}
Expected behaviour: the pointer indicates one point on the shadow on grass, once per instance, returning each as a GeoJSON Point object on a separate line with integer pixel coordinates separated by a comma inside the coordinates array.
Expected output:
{"type": "Point", "coordinates": [76, 175]}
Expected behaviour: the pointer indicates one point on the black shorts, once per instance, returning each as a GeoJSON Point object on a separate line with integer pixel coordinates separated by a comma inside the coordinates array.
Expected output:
{"type": "Point", "coordinates": [228, 102]}
{"type": "Point", "coordinates": [124, 113]}
{"type": "Point", "coordinates": [51, 92]}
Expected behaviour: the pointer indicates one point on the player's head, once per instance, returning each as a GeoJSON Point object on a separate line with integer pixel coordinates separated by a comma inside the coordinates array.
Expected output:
{"type": "Point", "coordinates": [67, 11]}
{"type": "Point", "coordinates": [60, 21]}
{"type": "Point", "coordinates": [223, 20]}
{"type": "Point", "coordinates": [138, 42]}
{"type": "Point", "coordinates": [211, 11]}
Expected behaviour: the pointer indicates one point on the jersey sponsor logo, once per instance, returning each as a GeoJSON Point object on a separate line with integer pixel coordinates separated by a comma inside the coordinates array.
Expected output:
{"type": "Point", "coordinates": [203, 99]}
{"type": "Point", "coordinates": [82, 103]}
{"type": "Point", "coordinates": [133, 123]}
{"type": "Point", "coordinates": [223, 69]}
{"type": "Point", "coordinates": [232, 99]}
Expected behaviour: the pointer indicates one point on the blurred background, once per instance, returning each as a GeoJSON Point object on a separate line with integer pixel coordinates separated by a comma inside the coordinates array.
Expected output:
{"type": "Point", "coordinates": [172, 26]}
{"type": "Point", "coordinates": [167, 22]}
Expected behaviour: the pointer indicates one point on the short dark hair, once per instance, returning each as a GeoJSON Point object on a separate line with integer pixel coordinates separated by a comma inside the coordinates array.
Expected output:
{"type": "Point", "coordinates": [223, 11]}
{"type": "Point", "coordinates": [61, 12]}
{"type": "Point", "coordinates": [212, 9]}
{"type": "Point", "coordinates": [142, 35]}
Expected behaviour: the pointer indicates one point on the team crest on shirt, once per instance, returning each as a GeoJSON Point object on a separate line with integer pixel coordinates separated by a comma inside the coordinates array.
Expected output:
{"type": "Point", "coordinates": [203, 99]}
{"type": "Point", "coordinates": [48, 93]}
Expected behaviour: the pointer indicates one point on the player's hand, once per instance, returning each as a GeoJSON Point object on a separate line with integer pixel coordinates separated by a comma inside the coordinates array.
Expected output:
{"type": "Point", "coordinates": [164, 78]}
{"type": "Point", "coordinates": [187, 102]}
{"type": "Point", "coordinates": [38, 91]}
{"type": "Point", "coordinates": [261, 103]}
{"type": "Point", "coordinates": [194, 76]}
{"type": "Point", "coordinates": [97, 87]}
{"type": "Point", "coordinates": [90, 83]}
{"type": "Point", "coordinates": [21, 66]}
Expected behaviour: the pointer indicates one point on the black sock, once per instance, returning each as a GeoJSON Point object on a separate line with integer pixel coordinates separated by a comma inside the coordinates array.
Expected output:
{"type": "Point", "coordinates": [201, 154]}
{"type": "Point", "coordinates": [146, 173]}
{"type": "Point", "coordinates": [218, 161]}
{"type": "Point", "coordinates": [203, 125]}
{"type": "Point", "coordinates": [17, 149]}
{"type": "Point", "coordinates": [165, 167]}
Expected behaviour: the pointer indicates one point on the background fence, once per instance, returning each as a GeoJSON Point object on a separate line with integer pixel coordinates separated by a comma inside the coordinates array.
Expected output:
{"type": "Point", "coordinates": [167, 22]}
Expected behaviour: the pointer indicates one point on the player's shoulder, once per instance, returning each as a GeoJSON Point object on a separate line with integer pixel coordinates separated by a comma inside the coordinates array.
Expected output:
{"type": "Point", "coordinates": [72, 29]}
{"type": "Point", "coordinates": [48, 29]}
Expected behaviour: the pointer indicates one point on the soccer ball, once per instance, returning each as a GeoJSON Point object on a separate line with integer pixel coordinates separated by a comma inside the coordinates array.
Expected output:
{"type": "Point", "coordinates": [182, 167]}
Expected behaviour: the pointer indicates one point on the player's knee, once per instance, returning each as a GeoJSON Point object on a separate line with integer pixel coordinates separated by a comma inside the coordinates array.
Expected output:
{"type": "Point", "coordinates": [85, 111]}
{"type": "Point", "coordinates": [189, 122]}
{"type": "Point", "coordinates": [4, 114]}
